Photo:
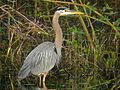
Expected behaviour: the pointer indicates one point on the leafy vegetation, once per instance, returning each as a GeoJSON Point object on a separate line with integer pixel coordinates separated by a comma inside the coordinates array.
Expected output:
{"type": "Point", "coordinates": [91, 49]}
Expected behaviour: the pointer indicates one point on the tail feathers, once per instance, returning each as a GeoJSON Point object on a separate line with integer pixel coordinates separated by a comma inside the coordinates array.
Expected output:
{"type": "Point", "coordinates": [23, 73]}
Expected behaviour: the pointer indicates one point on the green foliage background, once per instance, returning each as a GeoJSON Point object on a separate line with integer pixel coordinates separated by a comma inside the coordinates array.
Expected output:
{"type": "Point", "coordinates": [91, 49]}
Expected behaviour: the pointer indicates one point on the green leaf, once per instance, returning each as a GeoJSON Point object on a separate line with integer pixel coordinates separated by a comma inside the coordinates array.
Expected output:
{"type": "Point", "coordinates": [1, 29]}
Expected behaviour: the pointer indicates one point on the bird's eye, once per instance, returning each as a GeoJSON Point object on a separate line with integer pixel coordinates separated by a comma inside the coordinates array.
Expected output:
{"type": "Point", "coordinates": [65, 10]}
{"type": "Point", "coordinates": [62, 11]}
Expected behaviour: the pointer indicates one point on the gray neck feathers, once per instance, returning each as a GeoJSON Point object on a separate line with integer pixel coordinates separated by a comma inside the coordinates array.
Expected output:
{"type": "Point", "coordinates": [58, 32]}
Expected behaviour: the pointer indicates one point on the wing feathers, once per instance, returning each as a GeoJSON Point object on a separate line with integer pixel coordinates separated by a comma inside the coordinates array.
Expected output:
{"type": "Point", "coordinates": [40, 59]}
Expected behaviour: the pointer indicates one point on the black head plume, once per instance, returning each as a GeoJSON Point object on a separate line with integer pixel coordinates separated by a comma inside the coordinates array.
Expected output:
{"type": "Point", "coordinates": [61, 8]}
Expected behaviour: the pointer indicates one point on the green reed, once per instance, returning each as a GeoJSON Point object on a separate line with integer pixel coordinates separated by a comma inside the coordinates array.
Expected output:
{"type": "Point", "coordinates": [91, 42]}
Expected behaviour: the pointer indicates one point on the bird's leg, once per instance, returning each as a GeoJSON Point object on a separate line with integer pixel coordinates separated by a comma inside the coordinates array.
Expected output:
{"type": "Point", "coordinates": [40, 79]}
{"type": "Point", "coordinates": [45, 74]}
{"type": "Point", "coordinates": [44, 86]}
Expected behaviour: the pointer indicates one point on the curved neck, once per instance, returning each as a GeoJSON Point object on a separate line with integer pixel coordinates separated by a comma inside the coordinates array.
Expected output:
{"type": "Point", "coordinates": [58, 31]}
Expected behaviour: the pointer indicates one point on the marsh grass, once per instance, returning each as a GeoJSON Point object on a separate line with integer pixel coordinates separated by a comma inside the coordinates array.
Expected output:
{"type": "Point", "coordinates": [90, 54]}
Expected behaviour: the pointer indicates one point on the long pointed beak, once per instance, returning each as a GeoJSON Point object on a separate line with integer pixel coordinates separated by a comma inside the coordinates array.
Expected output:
{"type": "Point", "coordinates": [71, 12]}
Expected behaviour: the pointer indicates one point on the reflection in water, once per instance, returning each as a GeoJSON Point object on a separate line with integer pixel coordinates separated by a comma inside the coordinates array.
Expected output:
{"type": "Point", "coordinates": [52, 84]}
{"type": "Point", "coordinates": [29, 87]}
{"type": "Point", "coordinates": [33, 88]}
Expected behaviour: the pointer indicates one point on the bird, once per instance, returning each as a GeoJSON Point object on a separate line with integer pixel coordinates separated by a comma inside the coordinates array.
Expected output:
{"type": "Point", "coordinates": [48, 54]}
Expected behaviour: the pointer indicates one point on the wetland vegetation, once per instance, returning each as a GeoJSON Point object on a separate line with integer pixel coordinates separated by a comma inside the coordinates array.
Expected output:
{"type": "Point", "coordinates": [91, 48]}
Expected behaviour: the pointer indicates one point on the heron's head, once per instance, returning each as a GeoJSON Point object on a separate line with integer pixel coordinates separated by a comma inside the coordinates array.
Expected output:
{"type": "Point", "coordinates": [63, 11]}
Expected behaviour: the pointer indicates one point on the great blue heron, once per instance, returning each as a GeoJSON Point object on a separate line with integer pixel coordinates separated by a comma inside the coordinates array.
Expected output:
{"type": "Point", "coordinates": [46, 55]}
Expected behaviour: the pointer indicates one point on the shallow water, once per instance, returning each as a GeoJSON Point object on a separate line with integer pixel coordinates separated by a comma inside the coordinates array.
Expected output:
{"type": "Point", "coordinates": [54, 86]}
{"type": "Point", "coordinates": [31, 83]}
{"type": "Point", "coordinates": [63, 81]}
{"type": "Point", "coordinates": [8, 81]}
